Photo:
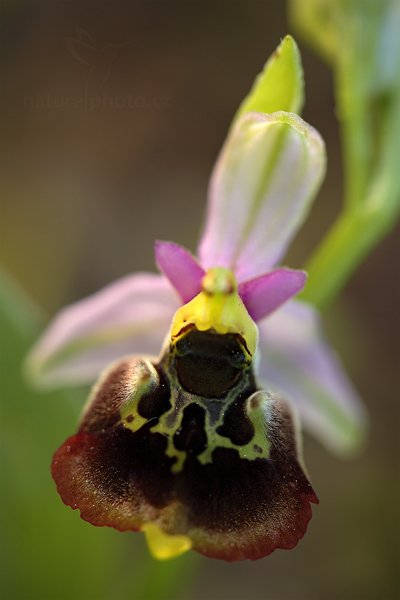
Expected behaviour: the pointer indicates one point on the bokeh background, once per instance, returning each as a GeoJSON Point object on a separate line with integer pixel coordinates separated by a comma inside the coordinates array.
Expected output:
{"type": "Point", "coordinates": [112, 116]}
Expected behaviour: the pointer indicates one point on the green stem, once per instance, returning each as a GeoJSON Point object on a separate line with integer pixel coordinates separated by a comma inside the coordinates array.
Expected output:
{"type": "Point", "coordinates": [349, 241]}
{"type": "Point", "coordinates": [357, 230]}
{"type": "Point", "coordinates": [356, 130]}
{"type": "Point", "coordinates": [364, 221]}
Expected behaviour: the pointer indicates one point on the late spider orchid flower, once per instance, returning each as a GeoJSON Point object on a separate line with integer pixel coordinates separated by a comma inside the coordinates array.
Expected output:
{"type": "Point", "coordinates": [198, 448]}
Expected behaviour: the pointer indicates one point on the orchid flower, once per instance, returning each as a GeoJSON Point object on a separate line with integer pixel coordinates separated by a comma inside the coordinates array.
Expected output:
{"type": "Point", "coordinates": [199, 448]}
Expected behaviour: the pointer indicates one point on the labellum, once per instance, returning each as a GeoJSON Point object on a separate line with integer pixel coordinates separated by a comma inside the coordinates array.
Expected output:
{"type": "Point", "coordinates": [187, 447]}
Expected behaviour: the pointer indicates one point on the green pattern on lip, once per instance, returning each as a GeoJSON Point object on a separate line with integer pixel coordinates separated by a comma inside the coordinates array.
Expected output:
{"type": "Point", "coordinates": [169, 423]}
{"type": "Point", "coordinates": [257, 447]}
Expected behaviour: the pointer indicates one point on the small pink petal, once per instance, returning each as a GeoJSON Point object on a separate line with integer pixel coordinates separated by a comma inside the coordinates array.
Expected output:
{"type": "Point", "coordinates": [180, 267]}
{"type": "Point", "coordinates": [266, 293]}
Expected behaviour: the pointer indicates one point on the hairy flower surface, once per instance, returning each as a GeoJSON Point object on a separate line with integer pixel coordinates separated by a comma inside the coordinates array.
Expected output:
{"type": "Point", "coordinates": [198, 447]}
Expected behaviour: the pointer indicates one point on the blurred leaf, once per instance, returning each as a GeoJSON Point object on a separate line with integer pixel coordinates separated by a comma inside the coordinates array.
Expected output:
{"type": "Point", "coordinates": [47, 551]}
{"type": "Point", "coordinates": [316, 21]}
{"type": "Point", "coordinates": [280, 85]}
{"type": "Point", "coordinates": [360, 39]}
{"type": "Point", "coordinates": [354, 31]}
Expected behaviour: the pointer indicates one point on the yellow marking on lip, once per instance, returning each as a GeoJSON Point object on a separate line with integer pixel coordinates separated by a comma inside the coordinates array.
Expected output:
{"type": "Point", "coordinates": [168, 433]}
{"type": "Point", "coordinates": [164, 546]}
{"type": "Point", "coordinates": [217, 307]}
{"type": "Point", "coordinates": [257, 447]}
{"type": "Point", "coordinates": [143, 382]}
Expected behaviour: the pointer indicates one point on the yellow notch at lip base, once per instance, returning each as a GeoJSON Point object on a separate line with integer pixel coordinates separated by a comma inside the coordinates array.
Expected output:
{"type": "Point", "coordinates": [164, 546]}
{"type": "Point", "coordinates": [217, 307]}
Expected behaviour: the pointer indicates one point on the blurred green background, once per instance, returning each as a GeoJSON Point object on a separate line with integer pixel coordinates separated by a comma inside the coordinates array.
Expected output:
{"type": "Point", "coordinates": [113, 114]}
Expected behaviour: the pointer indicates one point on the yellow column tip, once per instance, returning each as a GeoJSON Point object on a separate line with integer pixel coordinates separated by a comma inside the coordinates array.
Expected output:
{"type": "Point", "coordinates": [164, 546]}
